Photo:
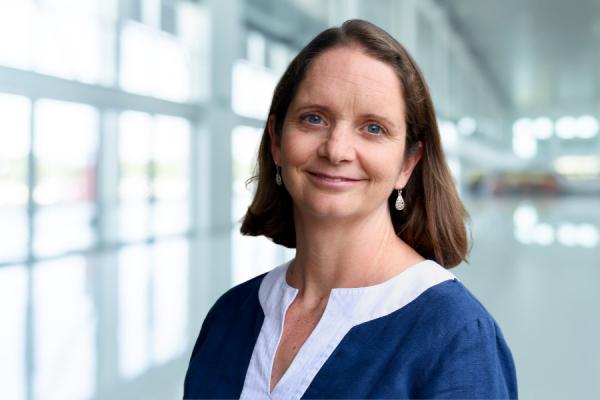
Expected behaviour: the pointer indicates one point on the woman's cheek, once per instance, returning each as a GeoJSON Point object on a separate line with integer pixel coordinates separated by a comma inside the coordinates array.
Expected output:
{"type": "Point", "coordinates": [298, 148]}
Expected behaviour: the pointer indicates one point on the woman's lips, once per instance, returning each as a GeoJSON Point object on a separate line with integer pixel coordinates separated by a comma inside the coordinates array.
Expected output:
{"type": "Point", "coordinates": [332, 180]}
{"type": "Point", "coordinates": [332, 177]}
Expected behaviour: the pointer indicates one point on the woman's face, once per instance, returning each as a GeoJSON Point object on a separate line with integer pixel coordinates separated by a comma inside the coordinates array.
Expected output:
{"type": "Point", "coordinates": [342, 146]}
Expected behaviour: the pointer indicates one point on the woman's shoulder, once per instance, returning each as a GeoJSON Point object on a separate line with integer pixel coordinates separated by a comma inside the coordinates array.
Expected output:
{"type": "Point", "coordinates": [466, 345]}
{"type": "Point", "coordinates": [460, 341]}
{"type": "Point", "coordinates": [442, 310]}
{"type": "Point", "coordinates": [238, 295]}
{"type": "Point", "coordinates": [425, 301]}
{"type": "Point", "coordinates": [451, 302]}
{"type": "Point", "coordinates": [445, 311]}
{"type": "Point", "coordinates": [430, 293]}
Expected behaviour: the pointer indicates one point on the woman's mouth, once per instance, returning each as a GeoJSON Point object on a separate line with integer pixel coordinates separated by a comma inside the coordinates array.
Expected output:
{"type": "Point", "coordinates": [333, 179]}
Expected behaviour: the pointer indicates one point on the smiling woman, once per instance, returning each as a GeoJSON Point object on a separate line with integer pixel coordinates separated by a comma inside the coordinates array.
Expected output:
{"type": "Point", "coordinates": [367, 309]}
{"type": "Point", "coordinates": [433, 222]}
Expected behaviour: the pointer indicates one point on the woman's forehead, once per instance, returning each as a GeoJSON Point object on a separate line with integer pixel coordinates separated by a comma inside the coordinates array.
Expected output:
{"type": "Point", "coordinates": [348, 75]}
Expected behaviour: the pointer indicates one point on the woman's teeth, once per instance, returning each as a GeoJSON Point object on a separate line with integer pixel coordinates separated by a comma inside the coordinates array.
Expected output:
{"type": "Point", "coordinates": [330, 179]}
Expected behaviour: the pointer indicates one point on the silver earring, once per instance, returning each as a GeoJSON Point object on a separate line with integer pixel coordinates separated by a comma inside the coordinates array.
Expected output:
{"type": "Point", "coordinates": [278, 175]}
{"type": "Point", "coordinates": [400, 201]}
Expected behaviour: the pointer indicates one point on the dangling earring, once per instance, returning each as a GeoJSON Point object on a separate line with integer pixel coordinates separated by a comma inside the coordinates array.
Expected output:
{"type": "Point", "coordinates": [400, 201]}
{"type": "Point", "coordinates": [278, 175]}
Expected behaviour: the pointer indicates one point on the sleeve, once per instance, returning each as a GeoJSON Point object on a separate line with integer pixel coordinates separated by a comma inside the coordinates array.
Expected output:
{"type": "Point", "coordinates": [208, 323]}
{"type": "Point", "coordinates": [189, 384]}
{"type": "Point", "coordinates": [475, 364]}
{"type": "Point", "coordinates": [202, 336]}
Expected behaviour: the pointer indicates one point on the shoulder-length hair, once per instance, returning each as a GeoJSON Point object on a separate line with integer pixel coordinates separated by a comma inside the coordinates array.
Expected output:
{"type": "Point", "coordinates": [433, 221]}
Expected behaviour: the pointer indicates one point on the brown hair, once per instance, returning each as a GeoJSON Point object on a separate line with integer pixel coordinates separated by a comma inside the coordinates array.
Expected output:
{"type": "Point", "coordinates": [433, 222]}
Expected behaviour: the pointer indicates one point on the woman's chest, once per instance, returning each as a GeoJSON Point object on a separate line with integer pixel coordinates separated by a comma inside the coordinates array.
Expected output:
{"type": "Point", "coordinates": [298, 325]}
{"type": "Point", "coordinates": [366, 361]}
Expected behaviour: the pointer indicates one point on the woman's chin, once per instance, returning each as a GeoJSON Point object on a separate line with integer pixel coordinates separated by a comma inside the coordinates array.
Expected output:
{"type": "Point", "coordinates": [331, 210]}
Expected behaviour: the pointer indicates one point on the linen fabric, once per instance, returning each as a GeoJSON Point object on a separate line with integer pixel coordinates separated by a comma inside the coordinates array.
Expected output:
{"type": "Point", "coordinates": [421, 334]}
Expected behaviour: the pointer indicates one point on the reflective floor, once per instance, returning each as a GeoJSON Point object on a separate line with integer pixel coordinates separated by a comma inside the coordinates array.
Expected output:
{"type": "Point", "coordinates": [543, 291]}
{"type": "Point", "coordinates": [120, 325]}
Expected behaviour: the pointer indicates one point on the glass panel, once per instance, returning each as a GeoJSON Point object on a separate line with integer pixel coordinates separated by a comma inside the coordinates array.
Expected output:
{"type": "Point", "coordinates": [279, 58]}
{"type": "Point", "coordinates": [151, 12]}
{"type": "Point", "coordinates": [425, 45]}
{"type": "Point", "coordinates": [168, 18]}
{"type": "Point", "coordinates": [252, 255]}
{"type": "Point", "coordinates": [170, 300]}
{"type": "Point", "coordinates": [171, 149]}
{"type": "Point", "coordinates": [171, 175]}
{"type": "Point", "coordinates": [137, 43]}
{"type": "Point", "coordinates": [62, 228]}
{"type": "Point", "coordinates": [244, 148]}
{"type": "Point", "coordinates": [13, 304]}
{"type": "Point", "coordinates": [16, 29]}
{"type": "Point", "coordinates": [69, 45]}
{"type": "Point", "coordinates": [133, 328]}
{"type": "Point", "coordinates": [134, 221]}
{"type": "Point", "coordinates": [256, 48]}
{"type": "Point", "coordinates": [252, 89]}
{"type": "Point", "coordinates": [78, 6]}
{"type": "Point", "coordinates": [193, 27]}
{"type": "Point", "coordinates": [154, 63]}
{"type": "Point", "coordinates": [65, 329]}
{"type": "Point", "coordinates": [65, 147]}
{"type": "Point", "coordinates": [14, 151]}
{"type": "Point", "coordinates": [170, 217]}
{"type": "Point", "coordinates": [172, 75]}
{"type": "Point", "coordinates": [14, 148]}
{"type": "Point", "coordinates": [108, 9]}
{"type": "Point", "coordinates": [135, 129]}
{"type": "Point", "coordinates": [13, 234]}
{"type": "Point", "coordinates": [66, 172]}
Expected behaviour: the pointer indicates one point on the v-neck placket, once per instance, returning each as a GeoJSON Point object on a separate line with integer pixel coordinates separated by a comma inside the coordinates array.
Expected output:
{"type": "Point", "coordinates": [346, 308]}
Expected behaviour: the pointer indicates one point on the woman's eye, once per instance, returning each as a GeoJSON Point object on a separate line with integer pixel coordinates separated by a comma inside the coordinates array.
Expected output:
{"type": "Point", "coordinates": [374, 129]}
{"type": "Point", "coordinates": [314, 119]}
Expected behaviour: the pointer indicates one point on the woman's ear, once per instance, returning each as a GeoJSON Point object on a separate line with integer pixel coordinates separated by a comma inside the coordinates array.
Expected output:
{"type": "Point", "coordinates": [275, 139]}
{"type": "Point", "coordinates": [409, 165]}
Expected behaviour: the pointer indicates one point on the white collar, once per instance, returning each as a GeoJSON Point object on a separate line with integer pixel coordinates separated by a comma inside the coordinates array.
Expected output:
{"type": "Point", "coordinates": [346, 308]}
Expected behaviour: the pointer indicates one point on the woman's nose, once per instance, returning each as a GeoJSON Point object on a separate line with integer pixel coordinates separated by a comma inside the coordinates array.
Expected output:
{"type": "Point", "coordinates": [338, 145]}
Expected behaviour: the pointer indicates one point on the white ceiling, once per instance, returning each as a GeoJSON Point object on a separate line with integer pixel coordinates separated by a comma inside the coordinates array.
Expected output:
{"type": "Point", "coordinates": [544, 55]}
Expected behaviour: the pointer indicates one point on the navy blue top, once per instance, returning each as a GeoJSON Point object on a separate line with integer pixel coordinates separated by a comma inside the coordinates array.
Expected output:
{"type": "Point", "coordinates": [442, 345]}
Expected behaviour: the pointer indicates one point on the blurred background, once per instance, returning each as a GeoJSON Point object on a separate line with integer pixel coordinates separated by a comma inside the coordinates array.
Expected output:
{"type": "Point", "coordinates": [129, 127]}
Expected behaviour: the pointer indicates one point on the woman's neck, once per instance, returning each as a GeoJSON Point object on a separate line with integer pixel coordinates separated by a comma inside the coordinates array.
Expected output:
{"type": "Point", "coordinates": [344, 254]}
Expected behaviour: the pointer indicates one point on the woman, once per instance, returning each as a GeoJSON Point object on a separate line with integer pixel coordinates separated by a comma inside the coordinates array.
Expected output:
{"type": "Point", "coordinates": [351, 173]}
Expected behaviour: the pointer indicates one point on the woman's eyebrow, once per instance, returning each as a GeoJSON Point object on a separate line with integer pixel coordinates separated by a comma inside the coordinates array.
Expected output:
{"type": "Point", "coordinates": [314, 105]}
{"type": "Point", "coordinates": [379, 117]}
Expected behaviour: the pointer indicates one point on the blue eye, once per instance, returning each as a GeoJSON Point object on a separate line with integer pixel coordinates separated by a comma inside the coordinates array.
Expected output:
{"type": "Point", "coordinates": [374, 129]}
{"type": "Point", "coordinates": [314, 119]}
